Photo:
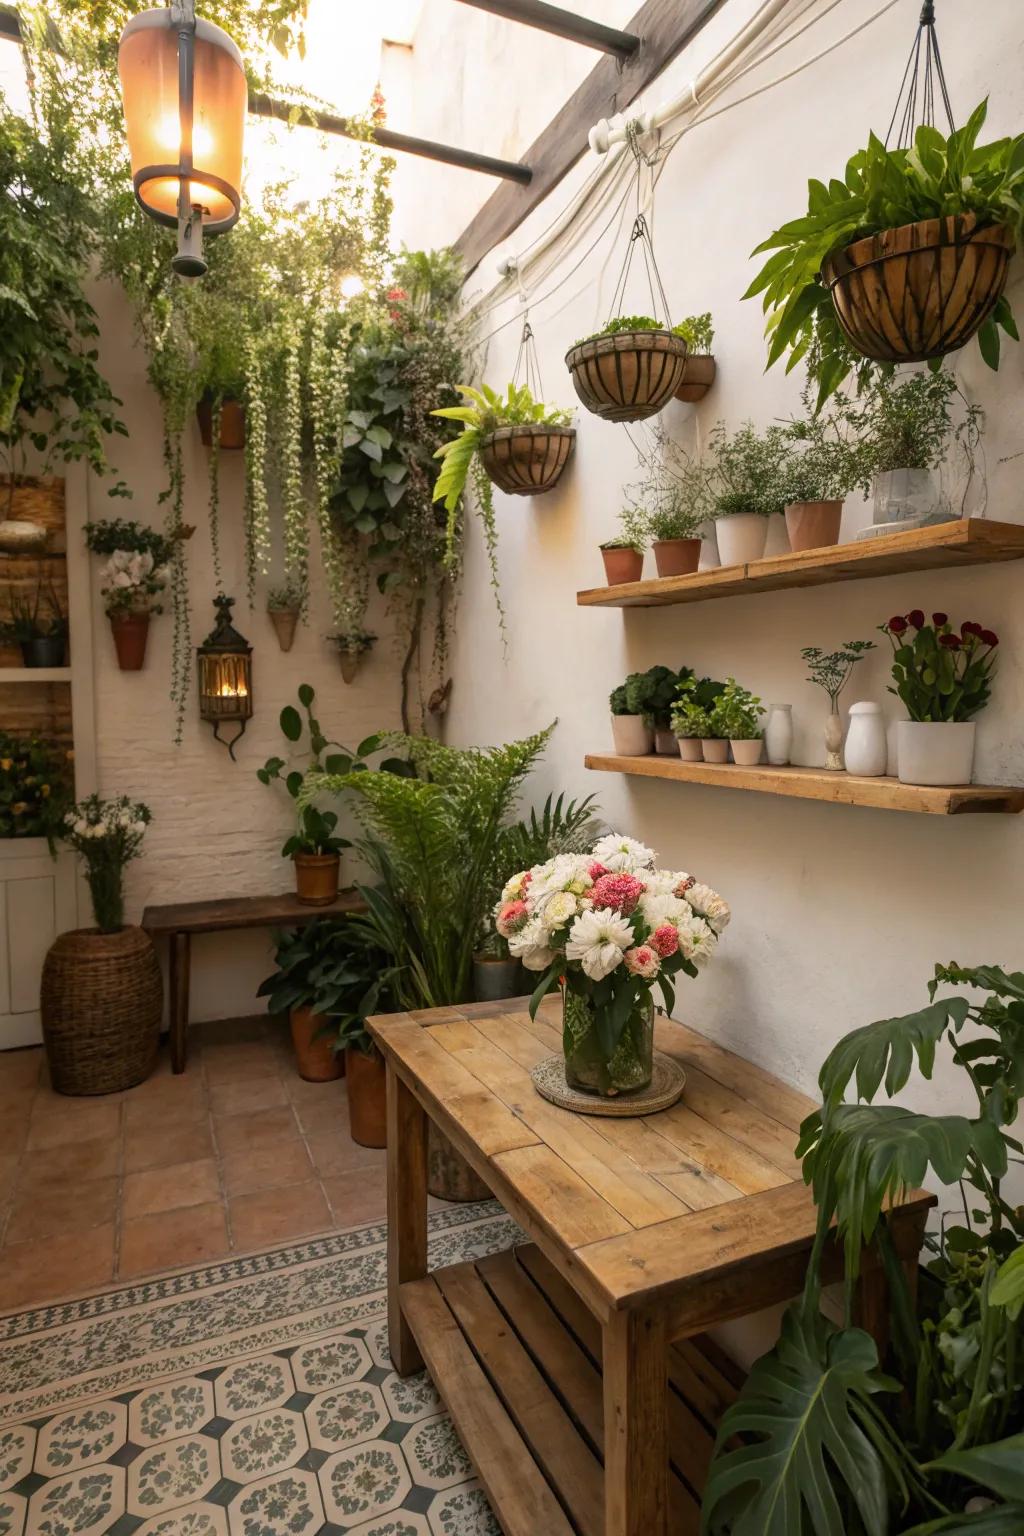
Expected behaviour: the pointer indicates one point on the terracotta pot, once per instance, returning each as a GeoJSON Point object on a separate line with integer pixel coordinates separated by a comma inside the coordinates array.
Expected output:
{"type": "Point", "coordinates": [813, 524]}
{"type": "Point", "coordinates": [316, 878]}
{"type": "Point", "coordinates": [449, 1176]}
{"type": "Point", "coordinates": [101, 1003]}
{"type": "Point", "coordinates": [676, 557]}
{"type": "Point", "coordinates": [622, 564]}
{"type": "Point", "coordinates": [747, 753]}
{"type": "Point", "coordinates": [919, 291]}
{"type": "Point", "coordinates": [284, 621]}
{"type": "Point", "coordinates": [714, 749]}
{"type": "Point", "coordinates": [527, 461]}
{"type": "Point", "coordinates": [690, 749]}
{"type": "Point", "coordinates": [627, 376]}
{"type": "Point", "coordinates": [698, 377]}
{"type": "Point", "coordinates": [316, 1061]}
{"type": "Point", "coordinates": [130, 632]}
{"type": "Point", "coordinates": [367, 1097]}
{"type": "Point", "coordinates": [631, 736]}
{"type": "Point", "coordinates": [232, 423]}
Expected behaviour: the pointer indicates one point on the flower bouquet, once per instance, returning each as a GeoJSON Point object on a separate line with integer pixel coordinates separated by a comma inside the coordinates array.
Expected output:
{"type": "Point", "coordinates": [606, 927]}
{"type": "Point", "coordinates": [107, 834]}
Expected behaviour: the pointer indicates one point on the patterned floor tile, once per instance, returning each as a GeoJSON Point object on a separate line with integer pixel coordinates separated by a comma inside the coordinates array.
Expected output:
{"type": "Point", "coordinates": [17, 1445]}
{"type": "Point", "coordinates": [77, 1440]}
{"type": "Point", "coordinates": [286, 1505]}
{"type": "Point", "coordinates": [173, 1409]}
{"type": "Point", "coordinates": [401, 1524]}
{"type": "Point", "coordinates": [435, 1456]}
{"type": "Point", "coordinates": [346, 1417]}
{"type": "Point", "coordinates": [330, 1363]}
{"type": "Point", "coordinates": [465, 1512]}
{"type": "Point", "coordinates": [372, 1479]}
{"type": "Point", "coordinates": [265, 1382]}
{"type": "Point", "coordinates": [411, 1397]}
{"type": "Point", "coordinates": [12, 1514]}
{"type": "Point", "coordinates": [171, 1474]}
{"type": "Point", "coordinates": [85, 1502]}
{"type": "Point", "coordinates": [194, 1520]}
{"type": "Point", "coordinates": [268, 1442]}
{"type": "Point", "coordinates": [377, 1344]}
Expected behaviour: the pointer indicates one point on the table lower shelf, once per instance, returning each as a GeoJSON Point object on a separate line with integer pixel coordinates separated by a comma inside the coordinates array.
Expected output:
{"type": "Point", "coordinates": [516, 1356]}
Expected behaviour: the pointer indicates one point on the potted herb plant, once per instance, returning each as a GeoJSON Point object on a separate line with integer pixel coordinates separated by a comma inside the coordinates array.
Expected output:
{"type": "Point", "coordinates": [352, 646]}
{"type": "Point", "coordinates": [628, 370]}
{"type": "Point", "coordinates": [691, 715]}
{"type": "Point", "coordinates": [746, 488]}
{"type": "Point", "coordinates": [284, 605]}
{"type": "Point", "coordinates": [669, 508]}
{"type": "Point", "coordinates": [651, 695]}
{"type": "Point", "coordinates": [910, 427]}
{"type": "Point", "coordinates": [699, 369]}
{"type": "Point", "coordinates": [101, 996]}
{"type": "Point", "coordinates": [623, 559]}
{"type": "Point", "coordinates": [631, 734]}
{"type": "Point", "coordinates": [735, 718]}
{"type": "Point", "coordinates": [39, 626]}
{"type": "Point", "coordinates": [901, 261]}
{"type": "Point", "coordinates": [132, 582]}
{"type": "Point", "coordinates": [831, 670]}
{"type": "Point", "coordinates": [825, 463]}
{"type": "Point", "coordinates": [314, 847]}
{"type": "Point", "coordinates": [943, 676]}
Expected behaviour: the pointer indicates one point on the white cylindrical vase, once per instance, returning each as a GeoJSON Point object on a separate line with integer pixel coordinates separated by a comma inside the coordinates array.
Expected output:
{"type": "Point", "coordinates": [935, 751]}
{"type": "Point", "coordinates": [866, 750]}
{"type": "Point", "coordinates": [778, 734]}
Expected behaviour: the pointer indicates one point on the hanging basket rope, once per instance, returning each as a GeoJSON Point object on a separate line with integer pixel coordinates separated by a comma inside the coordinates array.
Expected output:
{"type": "Point", "coordinates": [527, 460]}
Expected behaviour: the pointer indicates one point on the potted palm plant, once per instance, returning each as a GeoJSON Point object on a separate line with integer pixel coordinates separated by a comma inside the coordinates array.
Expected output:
{"type": "Point", "coordinates": [746, 488]}
{"type": "Point", "coordinates": [628, 370]}
{"type": "Point", "coordinates": [520, 444]}
{"type": "Point", "coordinates": [699, 369]}
{"type": "Point", "coordinates": [944, 678]}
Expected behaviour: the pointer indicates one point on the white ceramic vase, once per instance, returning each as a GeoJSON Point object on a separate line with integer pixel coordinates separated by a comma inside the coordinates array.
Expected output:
{"type": "Point", "coordinates": [778, 734]}
{"type": "Point", "coordinates": [690, 749]}
{"type": "Point", "coordinates": [866, 750]}
{"type": "Point", "coordinates": [714, 749]}
{"type": "Point", "coordinates": [834, 742]}
{"type": "Point", "coordinates": [741, 537]}
{"type": "Point", "coordinates": [631, 737]}
{"type": "Point", "coordinates": [935, 751]}
{"type": "Point", "coordinates": [747, 753]}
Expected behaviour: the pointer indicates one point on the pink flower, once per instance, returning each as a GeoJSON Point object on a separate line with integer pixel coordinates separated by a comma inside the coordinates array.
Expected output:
{"type": "Point", "coordinates": [512, 918]}
{"type": "Point", "coordinates": [684, 885]}
{"type": "Point", "coordinates": [527, 878]}
{"type": "Point", "coordinates": [642, 960]}
{"type": "Point", "coordinates": [665, 940]}
{"type": "Point", "coordinates": [596, 870]}
{"type": "Point", "coordinates": [619, 892]}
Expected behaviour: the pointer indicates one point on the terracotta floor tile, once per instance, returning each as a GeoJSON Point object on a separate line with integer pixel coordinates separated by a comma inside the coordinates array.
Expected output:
{"type": "Point", "coordinates": [49, 1210]}
{"type": "Point", "coordinates": [165, 1189]}
{"type": "Point", "coordinates": [312, 1095]}
{"type": "Point", "coordinates": [326, 1117]}
{"type": "Point", "coordinates": [8, 1167]}
{"type": "Point", "coordinates": [359, 1196]}
{"type": "Point", "coordinates": [19, 1070]}
{"type": "Point", "coordinates": [336, 1152]}
{"type": "Point", "coordinates": [275, 1215]}
{"type": "Point", "coordinates": [58, 1119]}
{"type": "Point", "coordinates": [159, 1146]}
{"type": "Point", "coordinates": [70, 1162]}
{"type": "Point", "coordinates": [234, 1133]}
{"type": "Point", "coordinates": [13, 1133]}
{"type": "Point", "coordinates": [284, 1162]}
{"type": "Point", "coordinates": [240, 1063]}
{"type": "Point", "coordinates": [231, 1031]}
{"type": "Point", "coordinates": [169, 1239]}
{"type": "Point", "coordinates": [247, 1097]}
{"type": "Point", "coordinates": [56, 1266]}
{"type": "Point", "coordinates": [182, 1106]}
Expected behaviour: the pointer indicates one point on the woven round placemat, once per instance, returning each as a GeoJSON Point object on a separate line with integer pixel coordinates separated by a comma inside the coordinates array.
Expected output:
{"type": "Point", "coordinates": [666, 1086]}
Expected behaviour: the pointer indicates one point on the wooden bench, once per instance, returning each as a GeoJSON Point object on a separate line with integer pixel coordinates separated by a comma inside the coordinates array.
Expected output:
{"type": "Point", "coordinates": [180, 920]}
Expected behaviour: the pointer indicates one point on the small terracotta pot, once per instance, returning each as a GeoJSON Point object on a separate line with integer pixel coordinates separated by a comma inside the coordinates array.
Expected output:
{"type": "Point", "coordinates": [665, 744]}
{"type": "Point", "coordinates": [714, 749]}
{"type": "Point", "coordinates": [284, 621]}
{"type": "Point", "coordinates": [622, 565]}
{"type": "Point", "coordinates": [698, 377]}
{"type": "Point", "coordinates": [232, 423]}
{"type": "Point", "coordinates": [747, 753]}
{"type": "Point", "coordinates": [367, 1097]}
{"type": "Point", "coordinates": [813, 524]}
{"type": "Point", "coordinates": [676, 557]}
{"type": "Point", "coordinates": [316, 878]}
{"type": "Point", "coordinates": [316, 1061]}
{"type": "Point", "coordinates": [631, 737]}
{"type": "Point", "coordinates": [130, 632]}
{"type": "Point", "coordinates": [690, 749]}
{"type": "Point", "coordinates": [349, 662]}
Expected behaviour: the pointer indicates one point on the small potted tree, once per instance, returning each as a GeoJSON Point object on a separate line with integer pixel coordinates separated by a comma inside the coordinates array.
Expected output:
{"type": "Point", "coordinates": [699, 369]}
{"type": "Point", "coordinates": [628, 370]}
{"type": "Point", "coordinates": [632, 736]}
{"type": "Point", "coordinates": [735, 718]}
{"type": "Point", "coordinates": [831, 670]}
{"type": "Point", "coordinates": [132, 582]}
{"type": "Point", "coordinates": [746, 487]}
{"type": "Point", "coordinates": [944, 678]}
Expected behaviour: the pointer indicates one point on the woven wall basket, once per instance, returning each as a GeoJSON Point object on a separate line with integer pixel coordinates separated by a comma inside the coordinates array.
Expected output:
{"type": "Point", "coordinates": [627, 376]}
{"type": "Point", "coordinates": [102, 1001]}
{"type": "Point", "coordinates": [527, 461]}
{"type": "Point", "coordinates": [919, 291]}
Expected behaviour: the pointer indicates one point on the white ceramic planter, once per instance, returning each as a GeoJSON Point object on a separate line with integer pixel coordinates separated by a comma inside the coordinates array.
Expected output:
{"type": "Point", "coordinates": [935, 751]}
{"type": "Point", "coordinates": [690, 749]}
{"type": "Point", "coordinates": [866, 750]}
{"type": "Point", "coordinates": [665, 744]}
{"type": "Point", "coordinates": [631, 737]}
{"type": "Point", "coordinates": [714, 749]}
{"type": "Point", "coordinates": [778, 734]}
{"type": "Point", "coordinates": [741, 537]}
{"type": "Point", "coordinates": [747, 753]}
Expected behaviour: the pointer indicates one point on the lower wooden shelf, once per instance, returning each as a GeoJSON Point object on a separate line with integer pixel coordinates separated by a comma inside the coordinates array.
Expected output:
{"type": "Point", "coordinates": [516, 1356]}
{"type": "Point", "coordinates": [820, 784]}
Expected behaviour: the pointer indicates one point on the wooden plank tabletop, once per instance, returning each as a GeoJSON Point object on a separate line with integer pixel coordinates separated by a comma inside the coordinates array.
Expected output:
{"type": "Point", "coordinates": [633, 1211]}
{"type": "Point", "coordinates": [244, 912]}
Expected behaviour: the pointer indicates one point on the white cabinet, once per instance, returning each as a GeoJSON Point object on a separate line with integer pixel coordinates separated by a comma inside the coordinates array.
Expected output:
{"type": "Point", "coordinates": [38, 900]}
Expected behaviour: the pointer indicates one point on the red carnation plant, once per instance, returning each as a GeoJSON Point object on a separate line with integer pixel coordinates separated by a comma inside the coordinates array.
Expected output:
{"type": "Point", "coordinates": [940, 672]}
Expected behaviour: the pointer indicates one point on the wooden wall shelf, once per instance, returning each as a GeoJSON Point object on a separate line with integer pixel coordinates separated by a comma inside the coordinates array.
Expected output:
{"type": "Point", "coordinates": [35, 674]}
{"type": "Point", "coordinates": [820, 784]}
{"type": "Point", "coordinates": [971, 541]}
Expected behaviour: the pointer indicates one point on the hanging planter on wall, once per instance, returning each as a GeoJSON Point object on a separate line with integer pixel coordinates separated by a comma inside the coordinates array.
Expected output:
{"type": "Point", "coordinates": [526, 461]}
{"type": "Point", "coordinates": [698, 376]}
{"type": "Point", "coordinates": [232, 422]}
{"type": "Point", "coordinates": [351, 650]}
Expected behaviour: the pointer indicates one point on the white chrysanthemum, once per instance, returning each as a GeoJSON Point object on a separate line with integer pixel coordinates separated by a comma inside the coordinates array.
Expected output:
{"type": "Point", "coordinates": [659, 909]}
{"type": "Point", "coordinates": [710, 905]}
{"type": "Point", "coordinates": [557, 909]}
{"type": "Point", "coordinates": [623, 855]}
{"type": "Point", "coordinates": [662, 882]}
{"type": "Point", "coordinates": [513, 889]}
{"type": "Point", "coordinates": [565, 872]}
{"type": "Point", "coordinates": [597, 939]}
{"type": "Point", "coordinates": [531, 947]}
{"type": "Point", "coordinates": [696, 940]}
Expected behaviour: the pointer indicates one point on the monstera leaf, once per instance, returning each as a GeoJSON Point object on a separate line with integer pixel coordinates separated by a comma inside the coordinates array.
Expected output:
{"type": "Point", "coordinates": [821, 1449]}
{"type": "Point", "coordinates": [887, 1049]}
{"type": "Point", "coordinates": [999, 1467]}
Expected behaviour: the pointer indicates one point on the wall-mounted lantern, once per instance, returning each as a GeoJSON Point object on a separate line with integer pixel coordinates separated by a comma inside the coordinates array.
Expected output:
{"type": "Point", "coordinates": [185, 100]}
{"type": "Point", "coordinates": [225, 676]}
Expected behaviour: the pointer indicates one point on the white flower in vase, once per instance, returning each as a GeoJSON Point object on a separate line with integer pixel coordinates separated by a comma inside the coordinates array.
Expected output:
{"type": "Point", "coordinates": [598, 940]}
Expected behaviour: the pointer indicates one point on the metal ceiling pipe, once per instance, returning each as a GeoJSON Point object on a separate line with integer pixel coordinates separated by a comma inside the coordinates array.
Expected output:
{"type": "Point", "coordinates": [551, 18]}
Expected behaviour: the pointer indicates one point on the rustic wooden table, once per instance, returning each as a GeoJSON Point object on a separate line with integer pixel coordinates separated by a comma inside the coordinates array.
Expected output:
{"type": "Point", "coordinates": [643, 1233]}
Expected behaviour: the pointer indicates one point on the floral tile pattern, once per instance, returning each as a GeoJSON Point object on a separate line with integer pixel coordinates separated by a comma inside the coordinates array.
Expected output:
{"type": "Point", "coordinates": [330, 1364]}
{"type": "Point", "coordinates": [411, 1397]}
{"type": "Point", "coordinates": [172, 1474]}
{"type": "Point", "coordinates": [402, 1524]}
{"type": "Point", "coordinates": [174, 1409]}
{"type": "Point", "coordinates": [465, 1512]}
{"type": "Point", "coordinates": [266, 1382]}
{"type": "Point", "coordinates": [346, 1417]}
{"type": "Point", "coordinates": [71, 1506]}
{"type": "Point", "coordinates": [268, 1442]}
{"type": "Point", "coordinates": [435, 1455]}
{"type": "Point", "coordinates": [280, 1506]}
{"type": "Point", "coordinates": [195, 1520]}
{"type": "Point", "coordinates": [16, 1447]}
{"type": "Point", "coordinates": [79, 1439]}
{"type": "Point", "coordinates": [372, 1479]}
{"type": "Point", "coordinates": [13, 1509]}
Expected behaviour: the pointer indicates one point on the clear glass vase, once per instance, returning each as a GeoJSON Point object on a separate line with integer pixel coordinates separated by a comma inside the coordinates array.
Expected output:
{"type": "Point", "coordinates": [587, 1067]}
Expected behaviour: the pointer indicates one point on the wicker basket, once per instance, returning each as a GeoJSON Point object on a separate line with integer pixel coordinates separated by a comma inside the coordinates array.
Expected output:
{"type": "Point", "coordinates": [629, 375]}
{"type": "Point", "coordinates": [527, 461]}
{"type": "Point", "coordinates": [102, 1002]}
{"type": "Point", "coordinates": [917, 292]}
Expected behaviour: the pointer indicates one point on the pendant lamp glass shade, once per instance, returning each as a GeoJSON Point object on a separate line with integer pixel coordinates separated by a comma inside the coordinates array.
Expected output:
{"type": "Point", "coordinates": [173, 140]}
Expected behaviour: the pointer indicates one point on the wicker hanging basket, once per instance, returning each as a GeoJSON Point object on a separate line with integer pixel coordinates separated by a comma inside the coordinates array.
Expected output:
{"type": "Point", "coordinates": [629, 375]}
{"type": "Point", "coordinates": [101, 1001]}
{"type": "Point", "coordinates": [917, 292]}
{"type": "Point", "coordinates": [527, 461]}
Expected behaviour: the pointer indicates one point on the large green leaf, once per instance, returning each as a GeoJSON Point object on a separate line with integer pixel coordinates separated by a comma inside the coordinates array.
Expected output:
{"type": "Point", "coordinates": [999, 1467]}
{"type": "Point", "coordinates": [887, 1048]}
{"type": "Point", "coordinates": [1003, 1520]}
{"type": "Point", "coordinates": [821, 1450]}
{"type": "Point", "coordinates": [1008, 1290]}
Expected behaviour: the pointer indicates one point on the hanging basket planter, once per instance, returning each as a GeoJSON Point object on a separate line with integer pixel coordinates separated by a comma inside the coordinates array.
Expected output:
{"type": "Point", "coordinates": [130, 632]}
{"type": "Point", "coordinates": [351, 650]}
{"type": "Point", "coordinates": [698, 376]}
{"type": "Point", "coordinates": [914, 293]}
{"type": "Point", "coordinates": [629, 375]}
{"type": "Point", "coordinates": [232, 422]}
{"type": "Point", "coordinates": [526, 461]}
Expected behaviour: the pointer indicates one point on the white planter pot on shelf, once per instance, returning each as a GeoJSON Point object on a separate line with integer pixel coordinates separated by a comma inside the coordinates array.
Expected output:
{"type": "Point", "coordinates": [866, 751]}
{"type": "Point", "coordinates": [631, 737]}
{"type": "Point", "coordinates": [741, 538]}
{"type": "Point", "coordinates": [935, 751]}
{"type": "Point", "coordinates": [690, 749]}
{"type": "Point", "coordinates": [715, 750]}
{"type": "Point", "coordinates": [747, 753]}
{"type": "Point", "coordinates": [665, 744]}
